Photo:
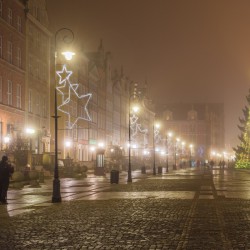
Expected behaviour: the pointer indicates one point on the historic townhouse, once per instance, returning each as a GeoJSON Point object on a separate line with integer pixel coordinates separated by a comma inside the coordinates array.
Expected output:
{"type": "Point", "coordinates": [200, 124]}
{"type": "Point", "coordinates": [37, 82]}
{"type": "Point", "coordinates": [12, 71]}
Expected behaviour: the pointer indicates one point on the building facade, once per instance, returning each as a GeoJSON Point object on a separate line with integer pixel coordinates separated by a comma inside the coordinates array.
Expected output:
{"type": "Point", "coordinates": [12, 71]}
{"type": "Point", "coordinates": [37, 81]}
{"type": "Point", "coordinates": [201, 125]}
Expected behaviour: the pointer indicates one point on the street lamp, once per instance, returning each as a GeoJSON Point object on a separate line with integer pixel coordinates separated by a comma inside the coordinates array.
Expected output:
{"type": "Point", "coordinates": [135, 109]}
{"type": "Point", "coordinates": [191, 148]}
{"type": "Point", "coordinates": [6, 140]}
{"type": "Point", "coordinates": [67, 38]}
{"type": "Point", "coordinates": [30, 131]}
{"type": "Point", "coordinates": [155, 131]}
{"type": "Point", "coordinates": [68, 145]}
{"type": "Point", "coordinates": [169, 135]}
{"type": "Point", "coordinates": [183, 143]}
{"type": "Point", "coordinates": [92, 149]}
{"type": "Point", "coordinates": [175, 151]}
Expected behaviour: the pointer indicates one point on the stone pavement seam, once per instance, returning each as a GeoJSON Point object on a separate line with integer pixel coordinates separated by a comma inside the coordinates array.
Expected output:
{"type": "Point", "coordinates": [187, 227]}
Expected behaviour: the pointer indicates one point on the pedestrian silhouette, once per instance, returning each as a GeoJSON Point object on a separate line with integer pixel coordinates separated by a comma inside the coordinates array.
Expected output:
{"type": "Point", "coordinates": [6, 170]}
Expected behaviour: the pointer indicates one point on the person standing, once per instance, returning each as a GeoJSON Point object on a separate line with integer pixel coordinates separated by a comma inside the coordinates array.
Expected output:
{"type": "Point", "coordinates": [6, 170]}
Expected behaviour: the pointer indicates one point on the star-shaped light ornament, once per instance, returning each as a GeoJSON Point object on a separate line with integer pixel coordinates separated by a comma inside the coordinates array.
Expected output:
{"type": "Point", "coordinates": [64, 75]}
{"type": "Point", "coordinates": [71, 98]}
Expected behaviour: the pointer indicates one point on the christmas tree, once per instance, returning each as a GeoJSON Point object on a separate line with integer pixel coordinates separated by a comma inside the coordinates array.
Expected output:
{"type": "Point", "coordinates": [242, 152]}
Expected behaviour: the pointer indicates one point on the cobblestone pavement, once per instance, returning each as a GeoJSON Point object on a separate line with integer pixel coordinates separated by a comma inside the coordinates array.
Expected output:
{"type": "Point", "coordinates": [207, 219]}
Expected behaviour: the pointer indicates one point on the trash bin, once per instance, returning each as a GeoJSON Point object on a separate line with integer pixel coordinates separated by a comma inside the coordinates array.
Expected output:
{"type": "Point", "coordinates": [159, 170]}
{"type": "Point", "coordinates": [143, 170]}
{"type": "Point", "coordinates": [114, 176]}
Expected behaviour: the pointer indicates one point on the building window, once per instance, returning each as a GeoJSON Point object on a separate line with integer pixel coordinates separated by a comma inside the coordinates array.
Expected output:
{"type": "Point", "coordinates": [9, 52]}
{"type": "Point", "coordinates": [192, 115]}
{"type": "Point", "coordinates": [1, 8]}
{"type": "Point", "coordinates": [18, 96]}
{"type": "Point", "coordinates": [31, 65]}
{"type": "Point", "coordinates": [1, 46]}
{"type": "Point", "coordinates": [30, 101]}
{"type": "Point", "coordinates": [19, 24]}
{"type": "Point", "coordinates": [1, 89]}
{"type": "Point", "coordinates": [75, 132]}
{"type": "Point", "coordinates": [9, 128]}
{"type": "Point", "coordinates": [10, 16]}
{"type": "Point", "coordinates": [44, 107]}
{"type": "Point", "coordinates": [37, 107]}
{"type": "Point", "coordinates": [19, 58]}
{"type": "Point", "coordinates": [9, 93]}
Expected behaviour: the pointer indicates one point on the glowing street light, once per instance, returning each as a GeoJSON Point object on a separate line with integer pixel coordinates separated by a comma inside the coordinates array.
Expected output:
{"type": "Point", "coordinates": [175, 150]}
{"type": "Point", "coordinates": [156, 127]}
{"type": "Point", "coordinates": [68, 145]}
{"type": "Point", "coordinates": [191, 151]}
{"type": "Point", "coordinates": [169, 135]}
{"type": "Point", "coordinates": [92, 149]}
{"type": "Point", "coordinates": [68, 55]}
{"type": "Point", "coordinates": [56, 196]}
{"type": "Point", "coordinates": [134, 109]}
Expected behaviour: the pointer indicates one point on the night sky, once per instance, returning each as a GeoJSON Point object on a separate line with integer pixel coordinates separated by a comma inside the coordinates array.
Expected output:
{"type": "Point", "coordinates": [187, 50]}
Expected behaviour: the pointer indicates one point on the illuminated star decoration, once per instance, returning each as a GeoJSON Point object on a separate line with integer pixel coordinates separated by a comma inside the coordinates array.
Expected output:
{"type": "Point", "coordinates": [70, 97]}
{"type": "Point", "coordinates": [136, 127]}
{"type": "Point", "coordinates": [157, 135]}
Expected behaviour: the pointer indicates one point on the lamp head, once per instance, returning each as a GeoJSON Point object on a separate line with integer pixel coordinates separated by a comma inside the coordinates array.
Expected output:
{"type": "Point", "coordinates": [68, 55]}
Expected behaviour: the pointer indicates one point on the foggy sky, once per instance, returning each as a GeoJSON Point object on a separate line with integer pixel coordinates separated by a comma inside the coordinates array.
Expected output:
{"type": "Point", "coordinates": [187, 50]}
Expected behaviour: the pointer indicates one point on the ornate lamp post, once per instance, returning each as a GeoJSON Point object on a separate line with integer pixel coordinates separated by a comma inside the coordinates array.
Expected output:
{"type": "Point", "coordinates": [169, 135]}
{"type": "Point", "coordinates": [68, 37]}
{"type": "Point", "coordinates": [191, 151]}
{"type": "Point", "coordinates": [155, 132]}
{"type": "Point", "coordinates": [92, 149]}
{"type": "Point", "coordinates": [175, 151]}
{"type": "Point", "coordinates": [135, 109]}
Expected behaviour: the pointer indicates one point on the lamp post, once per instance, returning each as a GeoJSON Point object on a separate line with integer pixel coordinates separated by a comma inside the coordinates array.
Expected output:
{"type": "Point", "coordinates": [67, 38]}
{"type": "Point", "coordinates": [175, 151]}
{"type": "Point", "coordinates": [169, 135]}
{"type": "Point", "coordinates": [30, 132]}
{"type": "Point", "coordinates": [182, 151]}
{"type": "Point", "coordinates": [68, 145]}
{"type": "Point", "coordinates": [157, 125]}
{"type": "Point", "coordinates": [190, 160]}
{"type": "Point", "coordinates": [92, 149]}
{"type": "Point", "coordinates": [135, 109]}
{"type": "Point", "coordinates": [6, 140]}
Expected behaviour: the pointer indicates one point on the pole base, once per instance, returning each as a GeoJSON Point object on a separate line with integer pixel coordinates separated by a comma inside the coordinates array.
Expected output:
{"type": "Point", "coordinates": [154, 171]}
{"type": "Point", "coordinates": [129, 176]}
{"type": "Point", "coordinates": [56, 197]}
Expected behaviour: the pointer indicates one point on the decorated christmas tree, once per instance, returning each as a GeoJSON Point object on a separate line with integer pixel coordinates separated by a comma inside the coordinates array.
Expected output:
{"type": "Point", "coordinates": [242, 152]}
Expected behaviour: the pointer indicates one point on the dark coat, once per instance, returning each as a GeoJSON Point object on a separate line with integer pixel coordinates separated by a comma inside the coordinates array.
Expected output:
{"type": "Point", "coordinates": [6, 170]}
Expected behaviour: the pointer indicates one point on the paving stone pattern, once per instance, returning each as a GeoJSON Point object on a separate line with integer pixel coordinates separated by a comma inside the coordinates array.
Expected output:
{"type": "Point", "coordinates": [134, 223]}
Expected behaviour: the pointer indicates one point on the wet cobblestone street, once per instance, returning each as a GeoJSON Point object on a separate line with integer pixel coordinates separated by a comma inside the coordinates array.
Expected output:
{"type": "Point", "coordinates": [138, 223]}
